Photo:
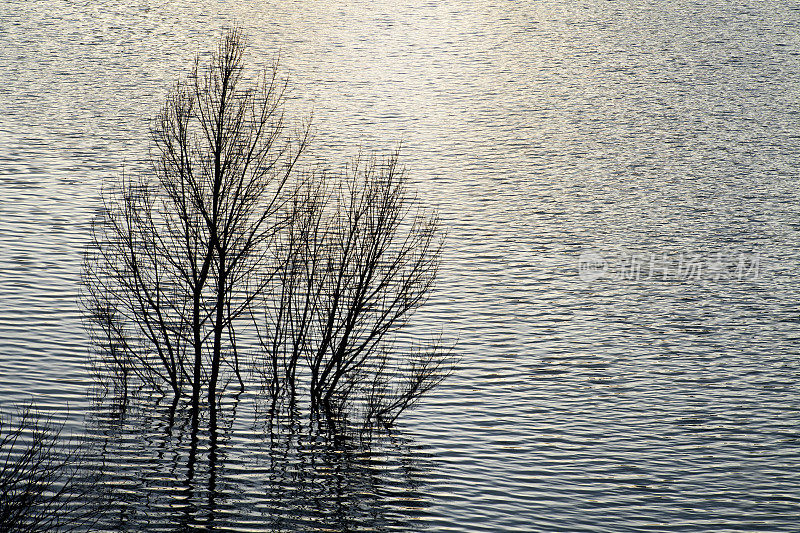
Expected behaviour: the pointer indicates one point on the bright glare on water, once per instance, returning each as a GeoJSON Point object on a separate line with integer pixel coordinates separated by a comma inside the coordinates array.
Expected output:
{"type": "Point", "coordinates": [619, 186]}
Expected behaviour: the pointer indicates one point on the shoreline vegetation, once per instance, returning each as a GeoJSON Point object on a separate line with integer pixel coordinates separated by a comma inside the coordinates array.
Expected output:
{"type": "Point", "coordinates": [230, 273]}
{"type": "Point", "coordinates": [43, 482]}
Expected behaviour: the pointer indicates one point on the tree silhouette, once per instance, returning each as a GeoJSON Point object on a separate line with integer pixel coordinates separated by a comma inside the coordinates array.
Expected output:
{"type": "Point", "coordinates": [356, 261]}
{"type": "Point", "coordinates": [179, 254]}
{"type": "Point", "coordinates": [43, 483]}
{"type": "Point", "coordinates": [224, 239]}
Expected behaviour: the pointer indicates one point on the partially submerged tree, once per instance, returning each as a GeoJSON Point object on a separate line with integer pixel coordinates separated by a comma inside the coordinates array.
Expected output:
{"type": "Point", "coordinates": [355, 263]}
{"type": "Point", "coordinates": [42, 483]}
{"type": "Point", "coordinates": [179, 254]}
{"type": "Point", "coordinates": [224, 240]}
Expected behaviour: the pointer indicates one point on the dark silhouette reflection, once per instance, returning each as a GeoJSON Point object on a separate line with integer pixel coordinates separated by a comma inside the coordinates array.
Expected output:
{"type": "Point", "coordinates": [240, 473]}
{"type": "Point", "coordinates": [365, 482]}
{"type": "Point", "coordinates": [222, 267]}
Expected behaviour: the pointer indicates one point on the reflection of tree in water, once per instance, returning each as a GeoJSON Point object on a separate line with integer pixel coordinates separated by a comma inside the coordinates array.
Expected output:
{"type": "Point", "coordinates": [370, 485]}
{"type": "Point", "coordinates": [224, 262]}
{"type": "Point", "coordinates": [251, 476]}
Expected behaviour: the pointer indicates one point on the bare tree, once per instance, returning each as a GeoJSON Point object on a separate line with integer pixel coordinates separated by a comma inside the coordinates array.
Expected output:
{"type": "Point", "coordinates": [180, 254]}
{"type": "Point", "coordinates": [42, 485]}
{"type": "Point", "coordinates": [357, 260]}
{"type": "Point", "coordinates": [223, 236]}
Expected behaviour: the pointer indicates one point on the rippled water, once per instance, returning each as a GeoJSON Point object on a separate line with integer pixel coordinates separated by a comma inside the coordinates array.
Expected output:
{"type": "Point", "coordinates": [550, 136]}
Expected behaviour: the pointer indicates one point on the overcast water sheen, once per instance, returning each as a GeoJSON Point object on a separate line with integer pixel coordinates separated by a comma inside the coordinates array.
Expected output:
{"type": "Point", "coordinates": [611, 398]}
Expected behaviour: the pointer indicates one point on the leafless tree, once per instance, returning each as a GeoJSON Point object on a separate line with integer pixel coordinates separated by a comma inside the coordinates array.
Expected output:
{"type": "Point", "coordinates": [180, 253]}
{"type": "Point", "coordinates": [357, 260]}
{"type": "Point", "coordinates": [224, 236]}
{"type": "Point", "coordinates": [42, 484]}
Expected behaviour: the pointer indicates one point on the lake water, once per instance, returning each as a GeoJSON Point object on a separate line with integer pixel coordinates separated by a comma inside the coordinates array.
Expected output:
{"type": "Point", "coordinates": [619, 186]}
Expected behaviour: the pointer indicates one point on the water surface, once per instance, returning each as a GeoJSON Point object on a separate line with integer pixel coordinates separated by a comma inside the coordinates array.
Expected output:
{"type": "Point", "coordinates": [540, 130]}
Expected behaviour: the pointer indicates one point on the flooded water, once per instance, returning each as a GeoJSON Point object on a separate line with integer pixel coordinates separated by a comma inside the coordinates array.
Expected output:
{"type": "Point", "coordinates": [619, 186]}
